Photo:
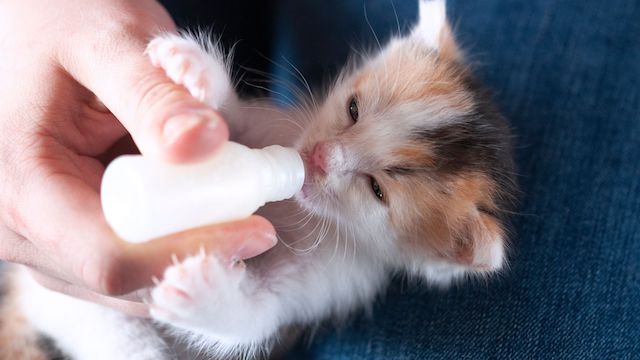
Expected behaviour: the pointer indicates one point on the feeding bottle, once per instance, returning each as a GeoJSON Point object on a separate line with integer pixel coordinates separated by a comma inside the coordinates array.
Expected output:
{"type": "Point", "coordinates": [144, 198]}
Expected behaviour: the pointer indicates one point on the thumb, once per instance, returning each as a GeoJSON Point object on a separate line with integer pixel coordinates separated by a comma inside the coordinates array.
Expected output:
{"type": "Point", "coordinates": [163, 118]}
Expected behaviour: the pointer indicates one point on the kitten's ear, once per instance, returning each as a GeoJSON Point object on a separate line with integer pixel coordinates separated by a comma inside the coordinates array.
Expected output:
{"type": "Point", "coordinates": [470, 243]}
{"type": "Point", "coordinates": [433, 29]}
{"type": "Point", "coordinates": [478, 243]}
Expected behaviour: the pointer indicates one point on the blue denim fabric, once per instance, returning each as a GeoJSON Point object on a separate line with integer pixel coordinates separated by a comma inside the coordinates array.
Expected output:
{"type": "Point", "coordinates": [567, 76]}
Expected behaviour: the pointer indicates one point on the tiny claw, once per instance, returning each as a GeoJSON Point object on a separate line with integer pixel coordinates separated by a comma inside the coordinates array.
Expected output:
{"type": "Point", "coordinates": [151, 51]}
{"type": "Point", "coordinates": [174, 259]}
{"type": "Point", "coordinates": [175, 292]}
{"type": "Point", "coordinates": [184, 67]}
{"type": "Point", "coordinates": [155, 280]}
{"type": "Point", "coordinates": [205, 270]}
{"type": "Point", "coordinates": [201, 85]}
{"type": "Point", "coordinates": [237, 263]}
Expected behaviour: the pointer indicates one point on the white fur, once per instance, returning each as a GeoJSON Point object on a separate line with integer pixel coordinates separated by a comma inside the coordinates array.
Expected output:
{"type": "Point", "coordinates": [85, 330]}
{"type": "Point", "coordinates": [432, 20]}
{"type": "Point", "coordinates": [187, 63]}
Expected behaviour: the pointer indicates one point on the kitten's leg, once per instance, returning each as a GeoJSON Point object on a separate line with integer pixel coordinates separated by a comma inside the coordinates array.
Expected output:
{"type": "Point", "coordinates": [202, 70]}
{"type": "Point", "coordinates": [238, 307]}
{"type": "Point", "coordinates": [87, 331]}
{"type": "Point", "coordinates": [216, 299]}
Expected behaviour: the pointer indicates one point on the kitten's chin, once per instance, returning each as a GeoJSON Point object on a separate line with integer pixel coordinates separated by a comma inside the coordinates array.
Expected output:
{"type": "Point", "coordinates": [310, 198]}
{"type": "Point", "coordinates": [307, 197]}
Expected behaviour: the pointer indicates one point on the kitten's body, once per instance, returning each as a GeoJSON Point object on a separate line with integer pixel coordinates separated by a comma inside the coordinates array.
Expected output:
{"type": "Point", "coordinates": [408, 122]}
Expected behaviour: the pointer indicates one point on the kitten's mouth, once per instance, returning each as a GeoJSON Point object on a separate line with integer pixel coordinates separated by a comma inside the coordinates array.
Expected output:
{"type": "Point", "coordinates": [311, 173]}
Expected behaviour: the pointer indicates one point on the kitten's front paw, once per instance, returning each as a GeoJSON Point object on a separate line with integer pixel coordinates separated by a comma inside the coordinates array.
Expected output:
{"type": "Point", "coordinates": [185, 62]}
{"type": "Point", "coordinates": [202, 294]}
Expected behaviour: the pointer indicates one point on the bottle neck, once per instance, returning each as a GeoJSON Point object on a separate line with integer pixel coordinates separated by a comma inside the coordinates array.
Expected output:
{"type": "Point", "coordinates": [282, 173]}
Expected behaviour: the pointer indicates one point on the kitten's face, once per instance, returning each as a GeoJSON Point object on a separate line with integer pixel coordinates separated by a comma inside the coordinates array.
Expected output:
{"type": "Point", "coordinates": [406, 149]}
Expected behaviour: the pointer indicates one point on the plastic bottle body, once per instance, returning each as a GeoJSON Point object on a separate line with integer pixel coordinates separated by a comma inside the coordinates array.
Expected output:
{"type": "Point", "coordinates": [144, 199]}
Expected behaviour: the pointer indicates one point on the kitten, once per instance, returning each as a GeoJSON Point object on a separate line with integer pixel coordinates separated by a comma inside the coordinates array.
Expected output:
{"type": "Point", "coordinates": [408, 168]}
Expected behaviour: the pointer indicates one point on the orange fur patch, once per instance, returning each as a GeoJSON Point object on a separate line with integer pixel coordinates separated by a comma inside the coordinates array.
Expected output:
{"type": "Point", "coordinates": [414, 73]}
{"type": "Point", "coordinates": [448, 47]}
{"type": "Point", "coordinates": [444, 220]}
{"type": "Point", "coordinates": [18, 340]}
{"type": "Point", "coordinates": [417, 154]}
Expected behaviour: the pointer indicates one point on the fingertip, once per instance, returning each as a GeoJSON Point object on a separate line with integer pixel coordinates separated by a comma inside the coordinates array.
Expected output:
{"type": "Point", "coordinates": [192, 135]}
{"type": "Point", "coordinates": [242, 239]}
{"type": "Point", "coordinates": [259, 237]}
{"type": "Point", "coordinates": [262, 225]}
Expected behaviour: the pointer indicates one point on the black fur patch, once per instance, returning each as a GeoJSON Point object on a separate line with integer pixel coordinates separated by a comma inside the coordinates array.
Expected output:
{"type": "Point", "coordinates": [477, 142]}
{"type": "Point", "coordinates": [48, 346]}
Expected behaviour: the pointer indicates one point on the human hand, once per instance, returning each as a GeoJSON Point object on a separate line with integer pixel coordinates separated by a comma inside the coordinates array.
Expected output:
{"type": "Point", "coordinates": [74, 83]}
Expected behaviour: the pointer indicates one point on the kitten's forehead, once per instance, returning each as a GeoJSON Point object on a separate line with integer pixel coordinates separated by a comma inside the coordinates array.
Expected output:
{"type": "Point", "coordinates": [406, 72]}
{"type": "Point", "coordinates": [404, 93]}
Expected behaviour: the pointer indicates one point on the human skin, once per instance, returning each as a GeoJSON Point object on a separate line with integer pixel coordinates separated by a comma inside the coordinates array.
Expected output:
{"type": "Point", "coordinates": [75, 83]}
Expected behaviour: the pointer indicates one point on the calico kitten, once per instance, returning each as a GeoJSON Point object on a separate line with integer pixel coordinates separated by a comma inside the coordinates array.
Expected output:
{"type": "Point", "coordinates": [408, 168]}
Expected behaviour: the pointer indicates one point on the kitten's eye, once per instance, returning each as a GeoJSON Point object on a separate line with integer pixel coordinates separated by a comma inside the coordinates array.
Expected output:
{"type": "Point", "coordinates": [376, 189]}
{"type": "Point", "coordinates": [353, 109]}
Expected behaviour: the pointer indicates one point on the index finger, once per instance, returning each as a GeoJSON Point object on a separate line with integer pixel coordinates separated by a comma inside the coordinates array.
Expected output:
{"type": "Point", "coordinates": [164, 119]}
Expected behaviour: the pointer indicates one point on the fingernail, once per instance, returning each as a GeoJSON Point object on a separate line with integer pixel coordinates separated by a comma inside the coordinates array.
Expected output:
{"type": "Point", "coordinates": [257, 245]}
{"type": "Point", "coordinates": [176, 126]}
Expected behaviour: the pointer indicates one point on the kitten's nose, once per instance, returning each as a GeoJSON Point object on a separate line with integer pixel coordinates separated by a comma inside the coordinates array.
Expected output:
{"type": "Point", "coordinates": [328, 156]}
